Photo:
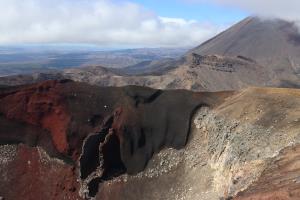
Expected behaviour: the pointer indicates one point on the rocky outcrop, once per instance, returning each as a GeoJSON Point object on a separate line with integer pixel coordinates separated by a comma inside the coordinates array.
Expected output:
{"type": "Point", "coordinates": [122, 143]}
{"type": "Point", "coordinates": [193, 72]}
{"type": "Point", "coordinates": [196, 72]}
{"type": "Point", "coordinates": [41, 105]}
{"type": "Point", "coordinates": [107, 131]}
{"type": "Point", "coordinates": [245, 148]}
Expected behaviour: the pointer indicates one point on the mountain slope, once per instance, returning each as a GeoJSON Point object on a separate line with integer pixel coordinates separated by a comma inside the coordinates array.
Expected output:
{"type": "Point", "coordinates": [253, 52]}
{"type": "Point", "coordinates": [198, 73]}
{"type": "Point", "coordinates": [94, 133]}
{"type": "Point", "coordinates": [272, 43]}
{"type": "Point", "coordinates": [62, 139]}
{"type": "Point", "coordinates": [247, 148]}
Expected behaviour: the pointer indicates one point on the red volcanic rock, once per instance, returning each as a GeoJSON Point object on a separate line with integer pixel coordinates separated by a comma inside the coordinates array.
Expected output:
{"type": "Point", "coordinates": [62, 140]}
{"type": "Point", "coordinates": [31, 174]}
{"type": "Point", "coordinates": [118, 123]}
{"type": "Point", "coordinates": [280, 181]}
{"type": "Point", "coordinates": [112, 130]}
{"type": "Point", "coordinates": [40, 105]}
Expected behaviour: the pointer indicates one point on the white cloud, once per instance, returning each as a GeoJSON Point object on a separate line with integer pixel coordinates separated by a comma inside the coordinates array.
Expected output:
{"type": "Point", "coordinates": [103, 22]}
{"type": "Point", "coordinates": [284, 9]}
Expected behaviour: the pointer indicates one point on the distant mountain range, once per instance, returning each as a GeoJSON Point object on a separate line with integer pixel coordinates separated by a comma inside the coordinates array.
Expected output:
{"type": "Point", "coordinates": [64, 139]}
{"type": "Point", "coordinates": [254, 52]}
{"type": "Point", "coordinates": [32, 59]}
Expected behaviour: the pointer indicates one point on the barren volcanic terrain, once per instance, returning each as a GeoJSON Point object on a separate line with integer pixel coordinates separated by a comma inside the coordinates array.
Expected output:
{"type": "Point", "coordinates": [196, 72]}
{"type": "Point", "coordinates": [205, 126]}
{"type": "Point", "coordinates": [254, 52]}
{"type": "Point", "coordinates": [273, 43]}
{"type": "Point", "coordinates": [69, 140]}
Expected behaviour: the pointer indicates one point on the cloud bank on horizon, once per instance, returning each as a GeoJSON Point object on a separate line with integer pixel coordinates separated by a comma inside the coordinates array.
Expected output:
{"type": "Point", "coordinates": [283, 9]}
{"type": "Point", "coordinates": [102, 22]}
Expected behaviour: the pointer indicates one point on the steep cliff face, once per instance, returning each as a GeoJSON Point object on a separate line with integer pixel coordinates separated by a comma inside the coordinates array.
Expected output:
{"type": "Point", "coordinates": [41, 105]}
{"type": "Point", "coordinates": [101, 132]}
{"type": "Point", "coordinates": [245, 148]}
{"type": "Point", "coordinates": [62, 139]}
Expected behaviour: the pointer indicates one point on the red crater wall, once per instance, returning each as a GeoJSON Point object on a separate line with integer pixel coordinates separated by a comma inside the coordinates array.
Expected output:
{"type": "Point", "coordinates": [40, 105]}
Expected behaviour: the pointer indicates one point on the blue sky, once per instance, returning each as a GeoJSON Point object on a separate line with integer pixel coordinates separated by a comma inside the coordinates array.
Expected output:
{"type": "Point", "coordinates": [130, 23]}
{"type": "Point", "coordinates": [198, 11]}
